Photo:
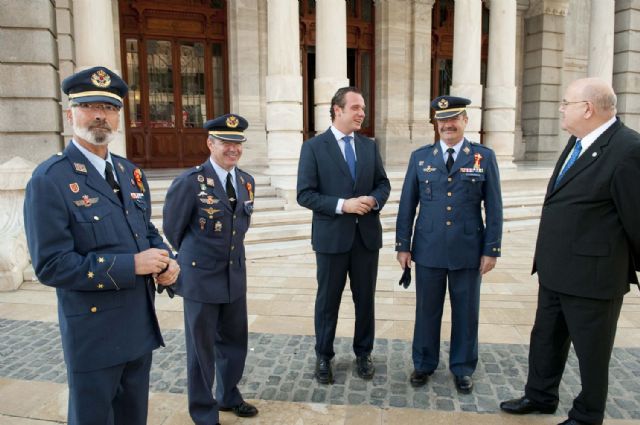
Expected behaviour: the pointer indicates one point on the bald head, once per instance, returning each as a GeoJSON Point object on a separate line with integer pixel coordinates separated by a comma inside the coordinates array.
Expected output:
{"type": "Point", "coordinates": [588, 103]}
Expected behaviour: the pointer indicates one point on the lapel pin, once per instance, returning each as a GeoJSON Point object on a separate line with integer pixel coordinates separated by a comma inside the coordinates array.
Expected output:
{"type": "Point", "coordinates": [594, 154]}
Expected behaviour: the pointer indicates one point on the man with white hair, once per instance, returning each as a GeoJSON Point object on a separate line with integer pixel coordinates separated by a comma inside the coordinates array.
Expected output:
{"type": "Point", "coordinates": [587, 253]}
{"type": "Point", "coordinates": [87, 216]}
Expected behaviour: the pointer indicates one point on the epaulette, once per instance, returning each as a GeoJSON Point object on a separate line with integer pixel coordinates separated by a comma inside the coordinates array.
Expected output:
{"type": "Point", "coordinates": [243, 172]}
{"type": "Point", "coordinates": [48, 163]}
{"type": "Point", "coordinates": [481, 146]}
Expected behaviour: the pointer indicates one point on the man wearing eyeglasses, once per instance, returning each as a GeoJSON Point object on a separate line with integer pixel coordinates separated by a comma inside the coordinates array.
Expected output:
{"type": "Point", "coordinates": [587, 252]}
{"type": "Point", "coordinates": [87, 217]}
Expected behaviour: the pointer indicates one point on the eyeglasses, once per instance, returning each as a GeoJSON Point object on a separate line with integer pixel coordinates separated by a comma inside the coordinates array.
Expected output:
{"type": "Point", "coordinates": [564, 103]}
{"type": "Point", "coordinates": [104, 107]}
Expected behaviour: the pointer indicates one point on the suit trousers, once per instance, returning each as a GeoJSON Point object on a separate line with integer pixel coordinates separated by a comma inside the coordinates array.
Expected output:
{"type": "Point", "coordinates": [216, 341]}
{"type": "Point", "coordinates": [116, 395]}
{"type": "Point", "coordinates": [464, 293]}
{"type": "Point", "coordinates": [361, 265]}
{"type": "Point", "coordinates": [591, 325]}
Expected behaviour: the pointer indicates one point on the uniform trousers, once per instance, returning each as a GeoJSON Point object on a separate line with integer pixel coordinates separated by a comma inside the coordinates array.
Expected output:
{"type": "Point", "coordinates": [591, 325]}
{"type": "Point", "coordinates": [361, 265]}
{"type": "Point", "coordinates": [216, 341]}
{"type": "Point", "coordinates": [116, 395]}
{"type": "Point", "coordinates": [464, 293]}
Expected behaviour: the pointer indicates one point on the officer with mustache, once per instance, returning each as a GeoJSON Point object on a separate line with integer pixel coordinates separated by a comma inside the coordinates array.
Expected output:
{"type": "Point", "coordinates": [451, 245]}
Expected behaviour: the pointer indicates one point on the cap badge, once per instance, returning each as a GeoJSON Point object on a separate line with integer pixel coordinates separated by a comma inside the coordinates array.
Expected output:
{"type": "Point", "coordinates": [101, 79]}
{"type": "Point", "coordinates": [443, 104]}
{"type": "Point", "coordinates": [232, 122]}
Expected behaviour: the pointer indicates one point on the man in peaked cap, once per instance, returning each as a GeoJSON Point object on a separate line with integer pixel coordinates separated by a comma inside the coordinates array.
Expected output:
{"type": "Point", "coordinates": [450, 244]}
{"type": "Point", "coordinates": [206, 215]}
{"type": "Point", "coordinates": [87, 218]}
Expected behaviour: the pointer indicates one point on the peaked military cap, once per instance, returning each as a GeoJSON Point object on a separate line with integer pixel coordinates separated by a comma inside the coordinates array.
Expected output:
{"type": "Point", "coordinates": [229, 127]}
{"type": "Point", "coordinates": [97, 84]}
{"type": "Point", "coordinates": [449, 106]}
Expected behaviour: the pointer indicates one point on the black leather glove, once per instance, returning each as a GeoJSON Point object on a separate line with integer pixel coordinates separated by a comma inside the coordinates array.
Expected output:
{"type": "Point", "coordinates": [405, 280]}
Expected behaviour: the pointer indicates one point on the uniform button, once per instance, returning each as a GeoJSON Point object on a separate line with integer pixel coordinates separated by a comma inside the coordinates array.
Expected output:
{"type": "Point", "coordinates": [126, 212]}
{"type": "Point", "coordinates": [449, 208]}
{"type": "Point", "coordinates": [234, 216]}
{"type": "Point", "coordinates": [449, 179]}
{"type": "Point", "coordinates": [233, 233]}
{"type": "Point", "coordinates": [94, 309]}
{"type": "Point", "coordinates": [449, 194]}
{"type": "Point", "coordinates": [193, 263]}
{"type": "Point", "coordinates": [426, 181]}
{"type": "Point", "coordinates": [231, 262]}
{"type": "Point", "coordinates": [494, 249]}
{"type": "Point", "coordinates": [100, 286]}
{"type": "Point", "coordinates": [232, 247]}
{"type": "Point", "coordinates": [448, 223]}
{"type": "Point", "coordinates": [498, 249]}
{"type": "Point", "coordinates": [136, 235]}
{"type": "Point", "coordinates": [96, 218]}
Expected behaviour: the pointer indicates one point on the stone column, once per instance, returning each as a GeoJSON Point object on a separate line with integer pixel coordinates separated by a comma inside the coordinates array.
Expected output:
{"type": "Point", "coordinates": [30, 117]}
{"type": "Point", "coordinates": [247, 71]}
{"type": "Point", "coordinates": [467, 43]}
{"type": "Point", "coordinates": [284, 95]}
{"type": "Point", "coordinates": [95, 45]}
{"type": "Point", "coordinates": [331, 57]}
{"type": "Point", "coordinates": [519, 143]}
{"type": "Point", "coordinates": [601, 39]}
{"type": "Point", "coordinates": [421, 129]}
{"type": "Point", "coordinates": [14, 255]}
{"type": "Point", "coordinates": [627, 61]}
{"type": "Point", "coordinates": [500, 93]}
{"type": "Point", "coordinates": [542, 83]}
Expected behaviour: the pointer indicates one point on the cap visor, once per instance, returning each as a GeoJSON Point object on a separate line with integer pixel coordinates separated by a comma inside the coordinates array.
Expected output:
{"type": "Point", "coordinates": [97, 99]}
{"type": "Point", "coordinates": [443, 115]}
{"type": "Point", "coordinates": [234, 138]}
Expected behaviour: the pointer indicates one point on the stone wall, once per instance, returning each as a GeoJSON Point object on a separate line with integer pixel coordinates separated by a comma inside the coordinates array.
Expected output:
{"type": "Point", "coordinates": [626, 65]}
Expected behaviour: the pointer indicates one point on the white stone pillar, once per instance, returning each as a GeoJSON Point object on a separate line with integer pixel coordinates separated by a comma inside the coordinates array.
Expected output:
{"type": "Point", "coordinates": [95, 45]}
{"type": "Point", "coordinates": [467, 43]}
{"type": "Point", "coordinates": [284, 95]}
{"type": "Point", "coordinates": [601, 31]}
{"type": "Point", "coordinates": [331, 58]}
{"type": "Point", "coordinates": [14, 256]}
{"type": "Point", "coordinates": [421, 129]}
{"type": "Point", "coordinates": [627, 63]}
{"type": "Point", "coordinates": [500, 92]}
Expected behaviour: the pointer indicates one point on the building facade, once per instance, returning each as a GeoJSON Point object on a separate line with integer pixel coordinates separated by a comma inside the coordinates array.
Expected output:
{"type": "Point", "coordinates": [278, 62]}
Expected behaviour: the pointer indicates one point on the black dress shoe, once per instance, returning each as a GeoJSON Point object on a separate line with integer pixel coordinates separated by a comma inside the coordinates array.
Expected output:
{"type": "Point", "coordinates": [572, 422]}
{"type": "Point", "coordinates": [419, 378]}
{"type": "Point", "coordinates": [464, 384]}
{"type": "Point", "coordinates": [324, 375]}
{"type": "Point", "coordinates": [522, 406]}
{"type": "Point", "coordinates": [364, 367]}
{"type": "Point", "coordinates": [243, 410]}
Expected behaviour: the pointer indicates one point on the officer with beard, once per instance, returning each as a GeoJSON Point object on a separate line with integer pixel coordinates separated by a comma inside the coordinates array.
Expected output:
{"type": "Point", "coordinates": [87, 217]}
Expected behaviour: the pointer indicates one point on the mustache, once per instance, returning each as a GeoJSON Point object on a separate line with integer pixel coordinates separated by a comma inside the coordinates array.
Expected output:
{"type": "Point", "coordinates": [99, 124]}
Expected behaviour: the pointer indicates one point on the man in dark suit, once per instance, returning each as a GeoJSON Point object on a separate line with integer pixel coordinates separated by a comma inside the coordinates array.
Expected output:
{"type": "Point", "coordinates": [450, 244]}
{"type": "Point", "coordinates": [342, 180]}
{"type": "Point", "coordinates": [586, 255]}
{"type": "Point", "coordinates": [206, 215]}
{"type": "Point", "coordinates": [87, 218]}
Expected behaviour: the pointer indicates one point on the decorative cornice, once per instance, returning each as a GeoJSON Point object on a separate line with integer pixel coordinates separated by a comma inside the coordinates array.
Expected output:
{"type": "Point", "coordinates": [547, 7]}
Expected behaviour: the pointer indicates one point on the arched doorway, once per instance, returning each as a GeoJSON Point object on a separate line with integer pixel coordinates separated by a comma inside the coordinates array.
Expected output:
{"type": "Point", "coordinates": [174, 55]}
{"type": "Point", "coordinates": [360, 58]}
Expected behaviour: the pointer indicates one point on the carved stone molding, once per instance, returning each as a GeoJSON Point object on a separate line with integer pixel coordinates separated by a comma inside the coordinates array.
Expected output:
{"type": "Point", "coordinates": [547, 7]}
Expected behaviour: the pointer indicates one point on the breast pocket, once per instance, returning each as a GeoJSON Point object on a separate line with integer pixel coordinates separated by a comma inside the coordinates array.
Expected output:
{"type": "Point", "coordinates": [429, 185]}
{"type": "Point", "coordinates": [474, 183]}
{"type": "Point", "coordinates": [94, 229]}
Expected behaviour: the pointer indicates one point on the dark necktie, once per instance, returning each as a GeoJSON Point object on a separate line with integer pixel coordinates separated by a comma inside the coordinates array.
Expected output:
{"type": "Point", "coordinates": [231, 192]}
{"type": "Point", "coordinates": [450, 158]}
{"type": "Point", "coordinates": [350, 156]}
{"type": "Point", "coordinates": [108, 175]}
{"type": "Point", "coordinates": [575, 153]}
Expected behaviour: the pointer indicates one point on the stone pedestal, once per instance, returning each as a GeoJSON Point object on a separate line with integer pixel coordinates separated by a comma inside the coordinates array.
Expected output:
{"type": "Point", "coordinates": [284, 96]}
{"type": "Point", "coordinates": [14, 255]}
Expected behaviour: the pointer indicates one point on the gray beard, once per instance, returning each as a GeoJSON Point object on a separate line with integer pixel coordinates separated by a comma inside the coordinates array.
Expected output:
{"type": "Point", "coordinates": [97, 138]}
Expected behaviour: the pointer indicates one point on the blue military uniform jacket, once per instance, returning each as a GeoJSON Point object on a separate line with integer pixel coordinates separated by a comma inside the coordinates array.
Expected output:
{"type": "Point", "coordinates": [208, 234]}
{"type": "Point", "coordinates": [82, 241]}
{"type": "Point", "coordinates": [449, 231]}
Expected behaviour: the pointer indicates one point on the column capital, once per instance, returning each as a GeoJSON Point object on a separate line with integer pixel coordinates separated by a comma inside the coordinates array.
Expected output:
{"type": "Point", "coordinates": [425, 3]}
{"type": "Point", "coordinates": [548, 7]}
{"type": "Point", "coordinates": [523, 5]}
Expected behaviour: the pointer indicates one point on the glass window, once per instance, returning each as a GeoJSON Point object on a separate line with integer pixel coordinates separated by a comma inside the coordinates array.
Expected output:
{"type": "Point", "coordinates": [160, 70]}
{"type": "Point", "coordinates": [217, 69]}
{"type": "Point", "coordinates": [194, 103]}
{"type": "Point", "coordinates": [367, 10]}
{"type": "Point", "coordinates": [133, 81]}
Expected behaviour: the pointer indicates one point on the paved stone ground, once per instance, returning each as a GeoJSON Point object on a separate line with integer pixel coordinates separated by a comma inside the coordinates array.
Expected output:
{"type": "Point", "coordinates": [280, 367]}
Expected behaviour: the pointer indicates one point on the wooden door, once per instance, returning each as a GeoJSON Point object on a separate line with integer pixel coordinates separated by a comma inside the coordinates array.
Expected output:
{"type": "Point", "coordinates": [176, 66]}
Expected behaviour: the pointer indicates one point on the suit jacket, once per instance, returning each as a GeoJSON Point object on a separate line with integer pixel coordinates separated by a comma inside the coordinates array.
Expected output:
{"type": "Point", "coordinates": [323, 178]}
{"type": "Point", "coordinates": [589, 238]}
{"type": "Point", "coordinates": [82, 240]}
{"type": "Point", "coordinates": [208, 234]}
{"type": "Point", "coordinates": [449, 231]}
